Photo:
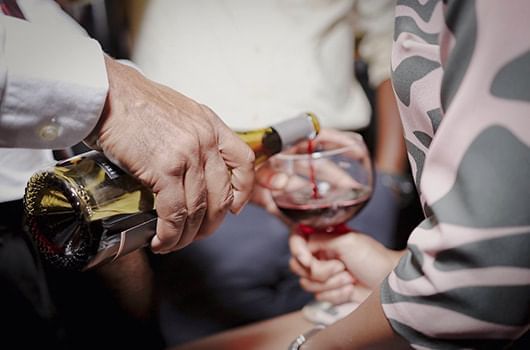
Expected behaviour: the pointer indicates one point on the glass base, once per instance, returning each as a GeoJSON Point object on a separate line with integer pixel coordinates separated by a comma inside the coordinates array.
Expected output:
{"type": "Point", "coordinates": [336, 229]}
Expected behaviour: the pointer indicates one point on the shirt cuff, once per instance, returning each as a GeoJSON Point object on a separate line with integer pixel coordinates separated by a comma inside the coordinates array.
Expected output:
{"type": "Point", "coordinates": [54, 86]}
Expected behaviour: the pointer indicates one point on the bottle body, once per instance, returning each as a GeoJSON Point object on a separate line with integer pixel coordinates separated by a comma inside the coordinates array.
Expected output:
{"type": "Point", "coordinates": [85, 210]}
{"type": "Point", "coordinates": [78, 210]}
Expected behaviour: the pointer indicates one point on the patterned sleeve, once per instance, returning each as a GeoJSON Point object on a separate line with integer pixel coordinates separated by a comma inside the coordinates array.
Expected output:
{"type": "Point", "coordinates": [461, 73]}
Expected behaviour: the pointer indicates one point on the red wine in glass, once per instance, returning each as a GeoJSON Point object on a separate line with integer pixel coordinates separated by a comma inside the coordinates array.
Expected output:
{"type": "Point", "coordinates": [310, 149]}
{"type": "Point", "coordinates": [324, 214]}
{"type": "Point", "coordinates": [329, 182]}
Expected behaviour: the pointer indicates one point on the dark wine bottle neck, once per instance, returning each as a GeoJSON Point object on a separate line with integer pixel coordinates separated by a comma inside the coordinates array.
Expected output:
{"type": "Point", "coordinates": [272, 143]}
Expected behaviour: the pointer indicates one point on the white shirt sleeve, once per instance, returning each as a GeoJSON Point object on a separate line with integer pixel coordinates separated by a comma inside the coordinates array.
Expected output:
{"type": "Point", "coordinates": [53, 85]}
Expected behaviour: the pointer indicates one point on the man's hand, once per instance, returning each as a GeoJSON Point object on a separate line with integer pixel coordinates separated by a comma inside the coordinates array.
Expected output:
{"type": "Point", "coordinates": [196, 166]}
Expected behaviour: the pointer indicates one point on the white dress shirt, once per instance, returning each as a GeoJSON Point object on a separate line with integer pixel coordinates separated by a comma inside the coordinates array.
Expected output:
{"type": "Point", "coordinates": [53, 86]}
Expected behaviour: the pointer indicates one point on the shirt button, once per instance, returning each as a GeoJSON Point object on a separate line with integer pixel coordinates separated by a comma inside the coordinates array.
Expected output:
{"type": "Point", "coordinates": [49, 132]}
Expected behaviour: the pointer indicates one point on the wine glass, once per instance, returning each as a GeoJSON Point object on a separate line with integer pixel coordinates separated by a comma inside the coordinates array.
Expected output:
{"type": "Point", "coordinates": [328, 180]}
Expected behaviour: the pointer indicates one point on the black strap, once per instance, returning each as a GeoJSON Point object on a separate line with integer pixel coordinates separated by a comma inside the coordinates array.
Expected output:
{"type": "Point", "coordinates": [10, 8]}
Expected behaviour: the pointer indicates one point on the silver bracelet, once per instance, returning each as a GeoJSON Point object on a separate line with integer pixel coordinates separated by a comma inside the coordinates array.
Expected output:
{"type": "Point", "coordinates": [401, 185]}
{"type": "Point", "coordinates": [302, 338]}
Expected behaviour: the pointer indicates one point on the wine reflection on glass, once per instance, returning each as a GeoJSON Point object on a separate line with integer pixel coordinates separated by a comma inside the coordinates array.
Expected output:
{"type": "Point", "coordinates": [328, 181]}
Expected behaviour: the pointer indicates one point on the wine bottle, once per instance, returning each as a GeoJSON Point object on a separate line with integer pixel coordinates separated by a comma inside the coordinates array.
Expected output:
{"type": "Point", "coordinates": [85, 210]}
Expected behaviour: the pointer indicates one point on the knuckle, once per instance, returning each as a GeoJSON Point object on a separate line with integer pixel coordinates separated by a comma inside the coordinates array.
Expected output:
{"type": "Point", "coordinates": [199, 207]}
{"type": "Point", "coordinates": [206, 136]}
{"type": "Point", "coordinates": [222, 207]}
{"type": "Point", "coordinates": [319, 278]}
{"type": "Point", "coordinates": [189, 142]}
{"type": "Point", "coordinates": [206, 110]}
{"type": "Point", "coordinates": [178, 216]}
{"type": "Point", "coordinates": [348, 288]}
{"type": "Point", "coordinates": [347, 292]}
{"type": "Point", "coordinates": [226, 201]}
{"type": "Point", "coordinates": [196, 215]}
{"type": "Point", "coordinates": [176, 168]}
{"type": "Point", "coordinates": [343, 278]}
{"type": "Point", "coordinates": [210, 120]}
{"type": "Point", "coordinates": [169, 164]}
{"type": "Point", "coordinates": [251, 156]}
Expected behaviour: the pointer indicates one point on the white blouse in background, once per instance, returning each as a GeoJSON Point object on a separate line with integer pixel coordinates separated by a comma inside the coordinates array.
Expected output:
{"type": "Point", "coordinates": [258, 62]}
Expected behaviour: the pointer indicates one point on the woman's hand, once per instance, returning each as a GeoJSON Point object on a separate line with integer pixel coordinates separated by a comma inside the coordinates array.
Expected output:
{"type": "Point", "coordinates": [340, 268]}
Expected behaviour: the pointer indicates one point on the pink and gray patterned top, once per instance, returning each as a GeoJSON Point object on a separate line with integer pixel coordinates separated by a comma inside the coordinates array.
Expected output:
{"type": "Point", "coordinates": [461, 74]}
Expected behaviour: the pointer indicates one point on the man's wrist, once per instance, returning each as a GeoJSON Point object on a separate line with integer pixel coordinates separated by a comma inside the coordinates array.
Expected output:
{"type": "Point", "coordinates": [92, 140]}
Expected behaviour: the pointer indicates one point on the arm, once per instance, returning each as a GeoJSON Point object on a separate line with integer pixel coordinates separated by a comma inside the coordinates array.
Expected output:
{"type": "Point", "coordinates": [375, 22]}
{"type": "Point", "coordinates": [391, 155]}
{"type": "Point", "coordinates": [365, 328]}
